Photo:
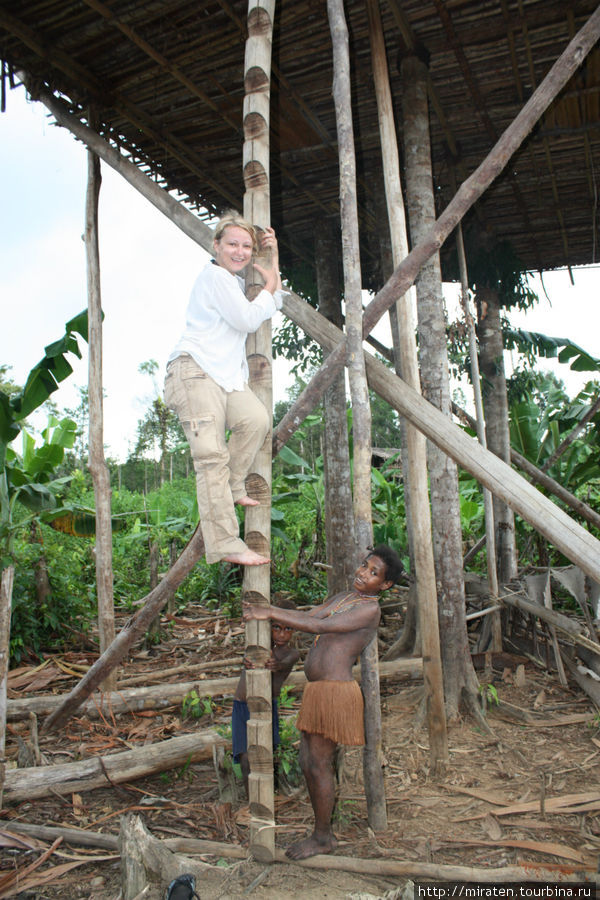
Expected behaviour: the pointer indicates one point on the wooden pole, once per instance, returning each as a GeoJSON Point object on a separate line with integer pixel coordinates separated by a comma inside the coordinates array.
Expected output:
{"type": "Point", "coordinates": [97, 463]}
{"type": "Point", "coordinates": [488, 502]}
{"type": "Point", "coordinates": [359, 392]}
{"type": "Point", "coordinates": [6, 588]}
{"type": "Point", "coordinates": [418, 509]}
{"type": "Point", "coordinates": [256, 585]}
{"type": "Point", "coordinates": [337, 476]}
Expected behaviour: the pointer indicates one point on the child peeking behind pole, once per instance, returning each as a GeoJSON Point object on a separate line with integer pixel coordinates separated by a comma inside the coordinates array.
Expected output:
{"type": "Point", "coordinates": [280, 663]}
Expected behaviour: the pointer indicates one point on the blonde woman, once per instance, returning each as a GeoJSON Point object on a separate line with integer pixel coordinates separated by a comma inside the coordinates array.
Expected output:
{"type": "Point", "coordinates": [207, 383]}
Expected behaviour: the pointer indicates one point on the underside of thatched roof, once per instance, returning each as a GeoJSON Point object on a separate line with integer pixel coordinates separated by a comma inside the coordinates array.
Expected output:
{"type": "Point", "coordinates": [166, 80]}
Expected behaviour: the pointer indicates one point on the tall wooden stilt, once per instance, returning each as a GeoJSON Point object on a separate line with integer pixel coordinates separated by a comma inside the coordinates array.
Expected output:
{"type": "Point", "coordinates": [361, 407]}
{"type": "Point", "coordinates": [488, 501]}
{"type": "Point", "coordinates": [418, 509]}
{"type": "Point", "coordinates": [339, 519]}
{"type": "Point", "coordinates": [6, 588]}
{"type": "Point", "coordinates": [97, 464]}
{"type": "Point", "coordinates": [256, 586]}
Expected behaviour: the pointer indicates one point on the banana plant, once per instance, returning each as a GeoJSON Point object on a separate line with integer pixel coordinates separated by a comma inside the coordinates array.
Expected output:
{"type": "Point", "coordinates": [27, 478]}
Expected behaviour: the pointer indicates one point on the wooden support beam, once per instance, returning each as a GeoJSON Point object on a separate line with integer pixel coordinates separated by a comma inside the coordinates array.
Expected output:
{"type": "Point", "coordinates": [418, 509]}
{"type": "Point", "coordinates": [359, 393]}
{"type": "Point", "coordinates": [6, 588]}
{"type": "Point", "coordinates": [256, 586]}
{"type": "Point", "coordinates": [468, 193]}
{"type": "Point", "coordinates": [97, 462]}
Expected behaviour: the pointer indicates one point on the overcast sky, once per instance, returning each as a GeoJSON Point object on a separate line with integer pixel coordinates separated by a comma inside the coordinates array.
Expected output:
{"type": "Point", "coordinates": [147, 268]}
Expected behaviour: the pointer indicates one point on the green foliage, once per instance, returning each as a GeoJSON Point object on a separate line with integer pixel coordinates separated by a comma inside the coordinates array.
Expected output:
{"type": "Point", "coordinates": [488, 695]}
{"type": "Point", "coordinates": [26, 479]}
{"type": "Point", "coordinates": [195, 707]}
{"type": "Point", "coordinates": [286, 754]}
{"type": "Point", "coordinates": [221, 588]}
{"type": "Point", "coordinates": [344, 812]}
{"type": "Point", "coordinates": [534, 345]}
{"type": "Point", "coordinates": [42, 624]}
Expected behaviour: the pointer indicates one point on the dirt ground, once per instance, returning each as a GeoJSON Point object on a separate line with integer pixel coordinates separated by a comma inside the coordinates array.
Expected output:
{"type": "Point", "coordinates": [526, 793]}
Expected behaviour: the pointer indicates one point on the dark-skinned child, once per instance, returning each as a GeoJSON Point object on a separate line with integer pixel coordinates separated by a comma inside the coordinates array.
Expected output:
{"type": "Point", "coordinates": [282, 659]}
{"type": "Point", "coordinates": [332, 710]}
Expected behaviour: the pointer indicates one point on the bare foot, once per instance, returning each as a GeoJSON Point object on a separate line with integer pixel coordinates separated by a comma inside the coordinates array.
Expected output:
{"type": "Point", "coordinates": [247, 501]}
{"type": "Point", "coordinates": [312, 846]}
{"type": "Point", "coordinates": [247, 558]}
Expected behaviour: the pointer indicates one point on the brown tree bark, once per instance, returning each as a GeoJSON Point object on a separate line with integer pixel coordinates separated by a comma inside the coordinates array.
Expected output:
{"type": "Point", "coordinates": [6, 588]}
{"type": "Point", "coordinates": [415, 464]}
{"type": "Point", "coordinates": [97, 464]}
{"type": "Point", "coordinates": [339, 521]}
{"type": "Point", "coordinates": [361, 407]}
{"type": "Point", "coordinates": [460, 681]}
{"type": "Point", "coordinates": [491, 363]}
{"type": "Point", "coordinates": [488, 500]}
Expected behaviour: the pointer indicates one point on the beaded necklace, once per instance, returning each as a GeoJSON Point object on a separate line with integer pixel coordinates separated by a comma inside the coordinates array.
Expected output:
{"type": "Point", "coordinates": [339, 607]}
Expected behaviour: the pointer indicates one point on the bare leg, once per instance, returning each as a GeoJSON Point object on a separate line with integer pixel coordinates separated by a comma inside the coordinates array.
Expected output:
{"type": "Point", "coordinates": [316, 760]}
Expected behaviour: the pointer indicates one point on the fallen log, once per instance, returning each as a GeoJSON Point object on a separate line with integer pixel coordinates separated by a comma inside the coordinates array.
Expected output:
{"type": "Point", "coordinates": [111, 769]}
{"type": "Point", "coordinates": [411, 868]}
{"type": "Point", "coordinates": [165, 695]}
{"type": "Point", "coordinates": [186, 668]}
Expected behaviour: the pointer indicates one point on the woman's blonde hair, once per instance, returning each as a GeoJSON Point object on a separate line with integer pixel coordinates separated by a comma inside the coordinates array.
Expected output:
{"type": "Point", "coordinates": [232, 217]}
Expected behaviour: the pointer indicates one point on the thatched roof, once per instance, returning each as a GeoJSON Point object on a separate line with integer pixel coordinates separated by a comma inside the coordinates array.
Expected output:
{"type": "Point", "coordinates": [166, 77]}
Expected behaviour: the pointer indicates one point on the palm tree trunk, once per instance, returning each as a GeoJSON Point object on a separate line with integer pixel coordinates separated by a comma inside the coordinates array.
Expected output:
{"type": "Point", "coordinates": [459, 676]}
{"type": "Point", "coordinates": [256, 584]}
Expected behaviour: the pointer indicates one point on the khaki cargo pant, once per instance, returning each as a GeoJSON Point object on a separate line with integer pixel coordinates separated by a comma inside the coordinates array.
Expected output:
{"type": "Point", "coordinates": [205, 411]}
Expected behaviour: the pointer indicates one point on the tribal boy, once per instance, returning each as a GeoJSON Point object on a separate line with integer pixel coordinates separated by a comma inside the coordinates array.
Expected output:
{"type": "Point", "coordinates": [332, 704]}
{"type": "Point", "coordinates": [282, 659]}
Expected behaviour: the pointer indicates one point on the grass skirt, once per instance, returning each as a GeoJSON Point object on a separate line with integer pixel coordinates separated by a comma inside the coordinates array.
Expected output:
{"type": "Point", "coordinates": [335, 710]}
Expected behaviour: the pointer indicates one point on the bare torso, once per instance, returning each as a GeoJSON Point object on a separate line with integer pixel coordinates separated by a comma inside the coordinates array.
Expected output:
{"type": "Point", "coordinates": [332, 655]}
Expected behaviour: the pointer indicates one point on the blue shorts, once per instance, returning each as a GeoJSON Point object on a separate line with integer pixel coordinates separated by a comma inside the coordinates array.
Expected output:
{"type": "Point", "coordinates": [239, 738]}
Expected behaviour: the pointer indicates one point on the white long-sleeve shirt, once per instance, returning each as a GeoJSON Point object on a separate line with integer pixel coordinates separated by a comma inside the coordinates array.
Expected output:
{"type": "Point", "coordinates": [219, 318]}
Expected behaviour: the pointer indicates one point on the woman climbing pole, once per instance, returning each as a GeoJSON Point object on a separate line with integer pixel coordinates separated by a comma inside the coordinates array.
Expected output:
{"type": "Point", "coordinates": [207, 383]}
